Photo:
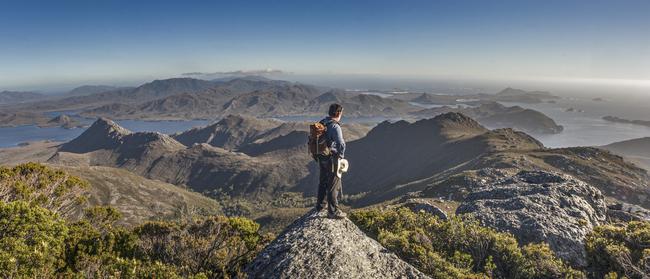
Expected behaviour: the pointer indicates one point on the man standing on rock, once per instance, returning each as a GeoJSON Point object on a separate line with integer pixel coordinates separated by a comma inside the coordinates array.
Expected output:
{"type": "Point", "coordinates": [329, 183]}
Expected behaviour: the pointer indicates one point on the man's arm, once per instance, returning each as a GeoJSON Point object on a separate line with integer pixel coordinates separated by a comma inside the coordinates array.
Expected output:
{"type": "Point", "coordinates": [340, 142]}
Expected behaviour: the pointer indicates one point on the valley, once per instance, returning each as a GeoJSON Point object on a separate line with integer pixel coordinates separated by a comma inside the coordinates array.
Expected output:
{"type": "Point", "coordinates": [325, 139]}
{"type": "Point", "coordinates": [260, 168]}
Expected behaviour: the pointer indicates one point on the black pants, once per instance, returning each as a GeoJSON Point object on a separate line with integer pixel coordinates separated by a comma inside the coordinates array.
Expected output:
{"type": "Point", "coordinates": [329, 184]}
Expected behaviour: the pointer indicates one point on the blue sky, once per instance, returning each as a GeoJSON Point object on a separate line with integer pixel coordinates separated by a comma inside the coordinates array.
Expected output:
{"type": "Point", "coordinates": [67, 42]}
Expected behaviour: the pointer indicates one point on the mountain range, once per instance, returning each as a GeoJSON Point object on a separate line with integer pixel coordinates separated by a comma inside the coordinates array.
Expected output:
{"type": "Point", "coordinates": [235, 156]}
{"type": "Point", "coordinates": [188, 98]}
{"type": "Point", "coordinates": [496, 115]}
{"type": "Point", "coordinates": [478, 161]}
{"type": "Point", "coordinates": [255, 98]}
{"type": "Point", "coordinates": [401, 157]}
{"type": "Point", "coordinates": [260, 168]}
{"type": "Point", "coordinates": [259, 160]}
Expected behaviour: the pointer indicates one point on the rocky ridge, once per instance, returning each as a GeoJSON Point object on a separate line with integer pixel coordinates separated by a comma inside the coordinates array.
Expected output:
{"type": "Point", "coordinates": [538, 206]}
{"type": "Point", "coordinates": [496, 115]}
{"type": "Point", "coordinates": [318, 247]}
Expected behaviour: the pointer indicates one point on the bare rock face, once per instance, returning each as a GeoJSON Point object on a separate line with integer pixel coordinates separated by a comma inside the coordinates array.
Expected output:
{"type": "Point", "coordinates": [537, 206]}
{"type": "Point", "coordinates": [318, 247]}
{"type": "Point", "coordinates": [626, 212]}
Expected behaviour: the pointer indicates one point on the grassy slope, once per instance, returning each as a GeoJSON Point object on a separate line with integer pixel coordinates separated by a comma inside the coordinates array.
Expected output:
{"type": "Point", "coordinates": [139, 198]}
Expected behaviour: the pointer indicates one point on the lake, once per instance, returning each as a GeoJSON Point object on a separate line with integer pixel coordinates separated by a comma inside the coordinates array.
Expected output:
{"type": "Point", "coordinates": [12, 136]}
{"type": "Point", "coordinates": [587, 128]}
{"type": "Point", "coordinates": [580, 128]}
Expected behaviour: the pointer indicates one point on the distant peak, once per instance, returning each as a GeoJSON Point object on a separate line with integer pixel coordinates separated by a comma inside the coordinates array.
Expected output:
{"type": "Point", "coordinates": [455, 124]}
{"type": "Point", "coordinates": [453, 116]}
{"type": "Point", "coordinates": [102, 134]}
{"type": "Point", "coordinates": [457, 119]}
{"type": "Point", "coordinates": [108, 125]}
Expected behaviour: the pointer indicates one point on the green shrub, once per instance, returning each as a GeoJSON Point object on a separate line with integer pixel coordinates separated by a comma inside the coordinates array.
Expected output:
{"type": "Point", "coordinates": [620, 250]}
{"type": "Point", "coordinates": [90, 248]}
{"type": "Point", "coordinates": [459, 248]}
{"type": "Point", "coordinates": [42, 186]}
{"type": "Point", "coordinates": [31, 240]}
{"type": "Point", "coordinates": [36, 242]}
{"type": "Point", "coordinates": [115, 267]}
{"type": "Point", "coordinates": [217, 246]}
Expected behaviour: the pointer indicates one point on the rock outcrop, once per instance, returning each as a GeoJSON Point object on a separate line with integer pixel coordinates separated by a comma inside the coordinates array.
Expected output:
{"type": "Point", "coordinates": [625, 212]}
{"type": "Point", "coordinates": [318, 247]}
{"type": "Point", "coordinates": [424, 205]}
{"type": "Point", "coordinates": [537, 206]}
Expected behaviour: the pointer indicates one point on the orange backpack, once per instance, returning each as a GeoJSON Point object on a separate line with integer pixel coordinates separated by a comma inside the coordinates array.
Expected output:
{"type": "Point", "coordinates": [317, 140]}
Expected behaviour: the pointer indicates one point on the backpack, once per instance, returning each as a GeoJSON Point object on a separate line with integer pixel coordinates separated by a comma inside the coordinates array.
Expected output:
{"type": "Point", "coordinates": [317, 142]}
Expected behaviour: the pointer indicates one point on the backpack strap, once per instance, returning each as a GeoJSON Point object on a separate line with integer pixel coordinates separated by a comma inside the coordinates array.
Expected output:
{"type": "Point", "coordinates": [327, 122]}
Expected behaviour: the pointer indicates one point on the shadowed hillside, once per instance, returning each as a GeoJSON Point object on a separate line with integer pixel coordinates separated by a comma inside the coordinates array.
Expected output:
{"type": "Point", "coordinates": [636, 150]}
{"type": "Point", "coordinates": [397, 158]}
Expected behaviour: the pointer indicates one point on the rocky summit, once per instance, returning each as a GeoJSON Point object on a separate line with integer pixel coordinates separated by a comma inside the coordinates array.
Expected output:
{"type": "Point", "coordinates": [317, 247]}
{"type": "Point", "coordinates": [538, 206]}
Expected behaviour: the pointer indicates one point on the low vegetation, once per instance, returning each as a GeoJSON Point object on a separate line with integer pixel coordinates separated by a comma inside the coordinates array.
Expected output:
{"type": "Point", "coordinates": [617, 251]}
{"type": "Point", "coordinates": [458, 248]}
{"type": "Point", "coordinates": [42, 186]}
{"type": "Point", "coordinates": [37, 242]}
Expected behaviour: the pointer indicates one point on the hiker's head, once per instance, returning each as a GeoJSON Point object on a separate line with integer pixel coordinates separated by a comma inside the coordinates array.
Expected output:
{"type": "Point", "coordinates": [335, 111]}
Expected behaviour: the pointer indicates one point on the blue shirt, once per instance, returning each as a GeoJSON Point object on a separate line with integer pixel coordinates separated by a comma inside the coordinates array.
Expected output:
{"type": "Point", "coordinates": [334, 136]}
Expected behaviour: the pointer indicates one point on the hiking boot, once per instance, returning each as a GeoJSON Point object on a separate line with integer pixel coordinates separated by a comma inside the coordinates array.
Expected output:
{"type": "Point", "coordinates": [337, 215]}
{"type": "Point", "coordinates": [320, 211]}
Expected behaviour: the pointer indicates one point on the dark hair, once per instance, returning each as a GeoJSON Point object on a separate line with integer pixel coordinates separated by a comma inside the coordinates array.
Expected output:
{"type": "Point", "coordinates": [335, 109]}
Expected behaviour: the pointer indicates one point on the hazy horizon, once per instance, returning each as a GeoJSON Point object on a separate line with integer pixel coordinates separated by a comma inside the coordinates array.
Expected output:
{"type": "Point", "coordinates": [50, 46]}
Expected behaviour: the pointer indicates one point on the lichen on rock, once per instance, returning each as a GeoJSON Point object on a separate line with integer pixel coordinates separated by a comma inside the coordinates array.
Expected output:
{"type": "Point", "coordinates": [538, 206]}
{"type": "Point", "coordinates": [318, 247]}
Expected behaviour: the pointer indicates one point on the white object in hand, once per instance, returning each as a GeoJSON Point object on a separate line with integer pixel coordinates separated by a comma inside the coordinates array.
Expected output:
{"type": "Point", "coordinates": [343, 166]}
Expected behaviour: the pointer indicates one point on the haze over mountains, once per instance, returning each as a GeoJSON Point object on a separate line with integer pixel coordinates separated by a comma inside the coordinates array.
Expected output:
{"type": "Point", "coordinates": [90, 89]}
{"type": "Point", "coordinates": [238, 154]}
{"type": "Point", "coordinates": [12, 97]}
{"type": "Point", "coordinates": [188, 98]}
